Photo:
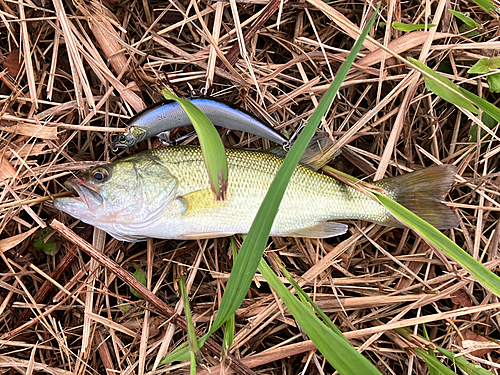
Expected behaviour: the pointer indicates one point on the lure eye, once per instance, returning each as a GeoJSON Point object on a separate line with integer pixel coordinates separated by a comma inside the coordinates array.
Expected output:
{"type": "Point", "coordinates": [100, 174]}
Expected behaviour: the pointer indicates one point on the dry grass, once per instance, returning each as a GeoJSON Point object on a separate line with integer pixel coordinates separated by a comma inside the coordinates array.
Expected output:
{"type": "Point", "coordinates": [74, 72]}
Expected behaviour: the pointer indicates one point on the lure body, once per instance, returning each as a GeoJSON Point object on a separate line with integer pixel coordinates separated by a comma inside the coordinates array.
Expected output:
{"type": "Point", "coordinates": [168, 115]}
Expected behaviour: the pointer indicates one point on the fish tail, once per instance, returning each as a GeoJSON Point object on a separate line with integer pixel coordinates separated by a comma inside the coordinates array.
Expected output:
{"type": "Point", "coordinates": [421, 192]}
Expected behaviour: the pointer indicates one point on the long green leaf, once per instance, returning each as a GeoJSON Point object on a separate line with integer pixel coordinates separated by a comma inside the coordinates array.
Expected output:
{"type": "Point", "coordinates": [486, 106]}
{"type": "Point", "coordinates": [469, 368]}
{"type": "Point", "coordinates": [432, 370]}
{"type": "Point", "coordinates": [455, 94]}
{"type": "Point", "coordinates": [443, 92]}
{"type": "Point", "coordinates": [336, 349]}
{"type": "Point", "coordinates": [253, 247]}
{"type": "Point", "coordinates": [230, 326]}
{"type": "Point", "coordinates": [210, 143]}
{"type": "Point", "coordinates": [487, 5]}
{"type": "Point", "coordinates": [465, 365]}
{"type": "Point", "coordinates": [316, 308]}
{"type": "Point", "coordinates": [193, 341]}
{"type": "Point", "coordinates": [489, 122]}
{"type": "Point", "coordinates": [406, 27]}
{"type": "Point", "coordinates": [441, 242]}
{"type": "Point", "coordinates": [465, 19]}
{"type": "Point", "coordinates": [434, 365]}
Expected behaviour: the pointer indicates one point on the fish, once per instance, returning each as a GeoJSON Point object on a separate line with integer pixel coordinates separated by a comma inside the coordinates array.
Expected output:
{"type": "Point", "coordinates": [167, 115]}
{"type": "Point", "coordinates": [165, 193]}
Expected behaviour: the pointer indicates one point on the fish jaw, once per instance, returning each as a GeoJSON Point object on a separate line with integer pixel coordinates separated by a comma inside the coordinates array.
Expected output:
{"type": "Point", "coordinates": [88, 200]}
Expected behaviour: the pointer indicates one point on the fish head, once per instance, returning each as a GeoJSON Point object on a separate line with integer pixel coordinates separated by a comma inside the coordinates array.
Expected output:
{"type": "Point", "coordinates": [121, 197]}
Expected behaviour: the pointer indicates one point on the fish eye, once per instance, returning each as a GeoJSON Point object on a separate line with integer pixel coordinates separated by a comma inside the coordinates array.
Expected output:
{"type": "Point", "coordinates": [122, 138]}
{"type": "Point", "coordinates": [100, 174]}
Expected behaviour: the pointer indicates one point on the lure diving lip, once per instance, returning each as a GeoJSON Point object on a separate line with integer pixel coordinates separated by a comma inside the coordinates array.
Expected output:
{"type": "Point", "coordinates": [168, 115]}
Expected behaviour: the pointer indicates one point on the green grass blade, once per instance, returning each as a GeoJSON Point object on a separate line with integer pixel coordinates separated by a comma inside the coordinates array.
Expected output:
{"type": "Point", "coordinates": [334, 347]}
{"type": "Point", "coordinates": [316, 308]}
{"type": "Point", "coordinates": [181, 353]}
{"type": "Point", "coordinates": [465, 19]}
{"type": "Point", "coordinates": [228, 339]}
{"type": "Point", "coordinates": [465, 365]}
{"type": "Point", "coordinates": [192, 339]}
{"type": "Point", "coordinates": [432, 370]}
{"type": "Point", "coordinates": [441, 242]}
{"type": "Point", "coordinates": [230, 326]}
{"type": "Point", "coordinates": [456, 95]}
{"type": "Point", "coordinates": [486, 106]}
{"type": "Point", "coordinates": [192, 366]}
{"type": "Point", "coordinates": [406, 27]}
{"type": "Point", "coordinates": [489, 122]}
{"type": "Point", "coordinates": [487, 5]}
{"type": "Point", "coordinates": [450, 92]}
{"type": "Point", "coordinates": [253, 247]}
{"type": "Point", "coordinates": [434, 365]}
{"type": "Point", "coordinates": [210, 143]}
{"type": "Point", "coordinates": [192, 350]}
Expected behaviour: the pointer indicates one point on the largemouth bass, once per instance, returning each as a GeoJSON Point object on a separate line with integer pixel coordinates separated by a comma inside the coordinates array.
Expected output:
{"type": "Point", "coordinates": [165, 193]}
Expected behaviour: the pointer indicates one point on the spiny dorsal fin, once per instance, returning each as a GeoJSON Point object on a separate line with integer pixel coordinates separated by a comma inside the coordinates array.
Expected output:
{"type": "Point", "coordinates": [318, 153]}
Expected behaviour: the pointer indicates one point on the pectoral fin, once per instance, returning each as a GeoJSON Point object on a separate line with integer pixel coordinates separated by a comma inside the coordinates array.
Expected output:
{"type": "Point", "coordinates": [323, 229]}
{"type": "Point", "coordinates": [200, 201]}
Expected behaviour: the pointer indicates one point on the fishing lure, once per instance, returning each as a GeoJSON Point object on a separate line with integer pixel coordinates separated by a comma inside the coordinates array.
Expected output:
{"type": "Point", "coordinates": [165, 116]}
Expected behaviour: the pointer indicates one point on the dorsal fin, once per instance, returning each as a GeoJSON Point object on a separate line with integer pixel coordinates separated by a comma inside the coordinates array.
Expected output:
{"type": "Point", "coordinates": [318, 153]}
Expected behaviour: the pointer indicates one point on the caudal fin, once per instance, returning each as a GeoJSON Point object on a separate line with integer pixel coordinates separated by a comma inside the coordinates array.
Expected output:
{"type": "Point", "coordinates": [421, 192]}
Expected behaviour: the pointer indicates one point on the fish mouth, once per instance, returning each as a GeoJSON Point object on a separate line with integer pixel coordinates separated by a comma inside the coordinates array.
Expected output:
{"type": "Point", "coordinates": [87, 195]}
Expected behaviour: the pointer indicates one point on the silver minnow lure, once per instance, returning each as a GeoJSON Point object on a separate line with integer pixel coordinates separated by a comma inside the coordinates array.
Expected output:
{"type": "Point", "coordinates": [168, 115]}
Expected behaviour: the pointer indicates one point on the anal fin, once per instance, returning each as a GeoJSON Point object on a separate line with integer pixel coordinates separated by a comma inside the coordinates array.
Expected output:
{"type": "Point", "coordinates": [323, 229]}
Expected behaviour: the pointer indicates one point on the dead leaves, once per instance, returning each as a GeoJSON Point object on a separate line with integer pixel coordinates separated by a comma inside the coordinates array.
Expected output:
{"type": "Point", "coordinates": [10, 242]}
{"type": "Point", "coordinates": [12, 63]}
{"type": "Point", "coordinates": [475, 344]}
{"type": "Point", "coordinates": [29, 130]}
